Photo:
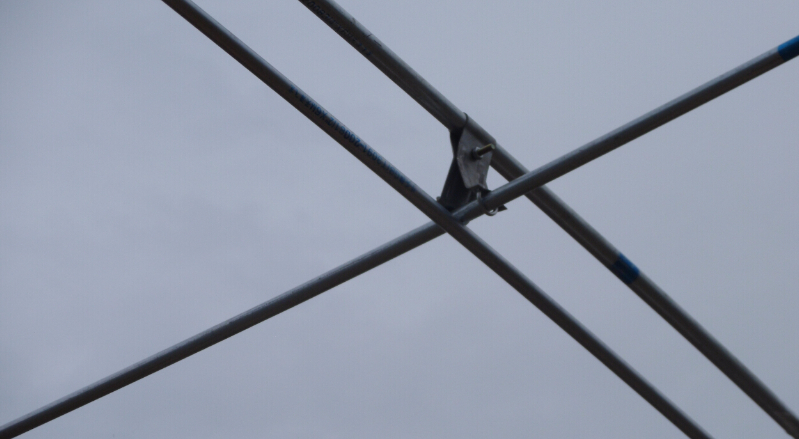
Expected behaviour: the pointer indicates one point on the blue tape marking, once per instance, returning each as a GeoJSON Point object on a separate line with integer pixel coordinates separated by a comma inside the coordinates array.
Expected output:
{"type": "Point", "coordinates": [625, 270]}
{"type": "Point", "coordinates": [790, 49]}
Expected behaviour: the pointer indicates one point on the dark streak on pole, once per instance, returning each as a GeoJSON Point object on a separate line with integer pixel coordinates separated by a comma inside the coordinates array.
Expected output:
{"type": "Point", "coordinates": [453, 118]}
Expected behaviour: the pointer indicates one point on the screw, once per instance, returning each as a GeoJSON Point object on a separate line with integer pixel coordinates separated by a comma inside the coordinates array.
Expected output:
{"type": "Point", "coordinates": [483, 150]}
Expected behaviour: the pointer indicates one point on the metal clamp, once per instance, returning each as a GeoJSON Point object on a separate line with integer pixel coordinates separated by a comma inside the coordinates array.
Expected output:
{"type": "Point", "coordinates": [486, 210]}
{"type": "Point", "coordinates": [472, 150]}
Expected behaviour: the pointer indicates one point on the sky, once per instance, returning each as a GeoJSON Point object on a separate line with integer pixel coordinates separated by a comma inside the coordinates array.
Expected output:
{"type": "Point", "coordinates": [151, 187]}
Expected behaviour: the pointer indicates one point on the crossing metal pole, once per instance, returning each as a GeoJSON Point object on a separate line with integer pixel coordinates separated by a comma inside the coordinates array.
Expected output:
{"type": "Point", "coordinates": [451, 223]}
{"type": "Point", "coordinates": [454, 119]}
{"type": "Point", "coordinates": [241, 322]}
{"type": "Point", "coordinates": [416, 196]}
{"type": "Point", "coordinates": [245, 320]}
{"type": "Point", "coordinates": [224, 330]}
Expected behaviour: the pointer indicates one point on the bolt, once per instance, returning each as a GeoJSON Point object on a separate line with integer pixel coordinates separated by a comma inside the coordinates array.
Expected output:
{"type": "Point", "coordinates": [483, 150]}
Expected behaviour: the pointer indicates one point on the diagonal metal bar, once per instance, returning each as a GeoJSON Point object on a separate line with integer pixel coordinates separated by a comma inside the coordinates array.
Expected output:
{"type": "Point", "coordinates": [222, 331]}
{"type": "Point", "coordinates": [416, 196]}
{"type": "Point", "coordinates": [341, 274]}
{"type": "Point", "coordinates": [226, 329]}
{"type": "Point", "coordinates": [453, 118]}
{"type": "Point", "coordinates": [245, 320]}
{"type": "Point", "coordinates": [233, 326]}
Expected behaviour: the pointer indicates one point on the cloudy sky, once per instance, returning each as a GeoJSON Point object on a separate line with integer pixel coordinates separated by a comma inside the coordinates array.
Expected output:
{"type": "Point", "coordinates": [151, 187]}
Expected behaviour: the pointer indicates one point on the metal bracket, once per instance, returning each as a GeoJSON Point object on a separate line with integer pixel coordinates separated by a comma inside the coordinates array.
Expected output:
{"type": "Point", "coordinates": [472, 148]}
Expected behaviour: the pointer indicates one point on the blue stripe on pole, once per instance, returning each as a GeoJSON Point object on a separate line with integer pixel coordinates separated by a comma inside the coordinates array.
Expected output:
{"type": "Point", "coordinates": [625, 270]}
{"type": "Point", "coordinates": [790, 49]}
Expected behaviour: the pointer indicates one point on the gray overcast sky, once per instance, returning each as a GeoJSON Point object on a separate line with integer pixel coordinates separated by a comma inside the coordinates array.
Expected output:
{"type": "Point", "coordinates": [151, 187]}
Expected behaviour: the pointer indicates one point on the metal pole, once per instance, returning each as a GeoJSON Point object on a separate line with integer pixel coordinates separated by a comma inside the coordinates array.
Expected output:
{"type": "Point", "coordinates": [453, 118]}
{"type": "Point", "coordinates": [222, 331]}
{"type": "Point", "coordinates": [391, 175]}
{"type": "Point", "coordinates": [241, 322]}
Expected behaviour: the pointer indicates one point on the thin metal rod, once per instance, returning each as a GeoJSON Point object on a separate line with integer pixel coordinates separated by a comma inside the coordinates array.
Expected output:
{"type": "Point", "coordinates": [667, 308]}
{"type": "Point", "coordinates": [391, 175]}
{"type": "Point", "coordinates": [453, 118]}
{"type": "Point", "coordinates": [222, 331]}
{"type": "Point", "coordinates": [241, 322]}
{"type": "Point", "coordinates": [335, 277]}
{"type": "Point", "coordinates": [237, 324]}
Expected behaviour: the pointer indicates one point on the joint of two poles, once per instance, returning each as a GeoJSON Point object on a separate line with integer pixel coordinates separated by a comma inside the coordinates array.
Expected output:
{"type": "Point", "coordinates": [465, 196]}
